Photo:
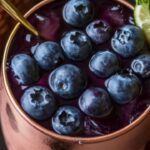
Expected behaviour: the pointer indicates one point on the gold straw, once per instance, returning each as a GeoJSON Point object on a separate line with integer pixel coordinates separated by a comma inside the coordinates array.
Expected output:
{"type": "Point", "coordinates": [15, 13]}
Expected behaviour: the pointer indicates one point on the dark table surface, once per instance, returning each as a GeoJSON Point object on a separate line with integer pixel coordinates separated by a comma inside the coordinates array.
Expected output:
{"type": "Point", "coordinates": [2, 144]}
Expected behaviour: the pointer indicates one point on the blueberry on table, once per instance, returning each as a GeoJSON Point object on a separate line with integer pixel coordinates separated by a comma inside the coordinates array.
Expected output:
{"type": "Point", "coordinates": [123, 88]}
{"type": "Point", "coordinates": [25, 69]}
{"type": "Point", "coordinates": [78, 12]}
{"type": "Point", "coordinates": [104, 63]}
{"type": "Point", "coordinates": [67, 121]}
{"type": "Point", "coordinates": [141, 65]}
{"type": "Point", "coordinates": [99, 31]}
{"type": "Point", "coordinates": [48, 55]}
{"type": "Point", "coordinates": [68, 81]}
{"type": "Point", "coordinates": [128, 41]}
{"type": "Point", "coordinates": [76, 45]}
{"type": "Point", "coordinates": [38, 102]}
{"type": "Point", "coordinates": [95, 102]}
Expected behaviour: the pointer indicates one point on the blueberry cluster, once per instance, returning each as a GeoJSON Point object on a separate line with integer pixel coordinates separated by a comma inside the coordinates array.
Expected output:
{"type": "Point", "coordinates": [69, 81]}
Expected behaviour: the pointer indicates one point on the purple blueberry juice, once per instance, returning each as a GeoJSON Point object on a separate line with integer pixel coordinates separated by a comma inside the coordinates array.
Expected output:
{"type": "Point", "coordinates": [73, 83]}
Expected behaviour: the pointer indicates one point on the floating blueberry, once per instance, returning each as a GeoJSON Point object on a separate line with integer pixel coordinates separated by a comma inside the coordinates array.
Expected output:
{"type": "Point", "coordinates": [48, 55]}
{"type": "Point", "coordinates": [123, 88]}
{"type": "Point", "coordinates": [67, 121]}
{"type": "Point", "coordinates": [76, 45]}
{"type": "Point", "coordinates": [128, 41]}
{"type": "Point", "coordinates": [141, 65]}
{"type": "Point", "coordinates": [68, 81]}
{"type": "Point", "coordinates": [103, 64]}
{"type": "Point", "coordinates": [38, 102]}
{"type": "Point", "coordinates": [25, 69]}
{"type": "Point", "coordinates": [78, 12]}
{"type": "Point", "coordinates": [99, 31]}
{"type": "Point", "coordinates": [95, 102]}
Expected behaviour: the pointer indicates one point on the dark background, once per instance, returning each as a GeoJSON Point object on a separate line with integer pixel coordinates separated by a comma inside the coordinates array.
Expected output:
{"type": "Point", "coordinates": [2, 145]}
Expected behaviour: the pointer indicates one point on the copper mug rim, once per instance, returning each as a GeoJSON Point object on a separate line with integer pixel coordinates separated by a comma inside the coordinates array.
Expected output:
{"type": "Point", "coordinates": [47, 132]}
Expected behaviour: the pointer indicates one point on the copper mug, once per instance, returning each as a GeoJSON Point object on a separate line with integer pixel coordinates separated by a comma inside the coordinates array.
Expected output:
{"type": "Point", "coordinates": [22, 133]}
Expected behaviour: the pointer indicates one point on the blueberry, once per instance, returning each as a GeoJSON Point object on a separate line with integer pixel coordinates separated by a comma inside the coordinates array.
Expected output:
{"type": "Point", "coordinates": [38, 102]}
{"type": "Point", "coordinates": [128, 41]}
{"type": "Point", "coordinates": [99, 31]}
{"type": "Point", "coordinates": [25, 69]}
{"type": "Point", "coordinates": [67, 121]}
{"type": "Point", "coordinates": [68, 81]}
{"type": "Point", "coordinates": [95, 102]}
{"type": "Point", "coordinates": [76, 45]}
{"type": "Point", "coordinates": [48, 55]}
{"type": "Point", "coordinates": [123, 88]}
{"type": "Point", "coordinates": [103, 64]}
{"type": "Point", "coordinates": [141, 65]}
{"type": "Point", "coordinates": [78, 12]}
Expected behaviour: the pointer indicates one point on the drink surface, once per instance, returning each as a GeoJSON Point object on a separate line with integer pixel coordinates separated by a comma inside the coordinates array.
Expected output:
{"type": "Point", "coordinates": [49, 21]}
